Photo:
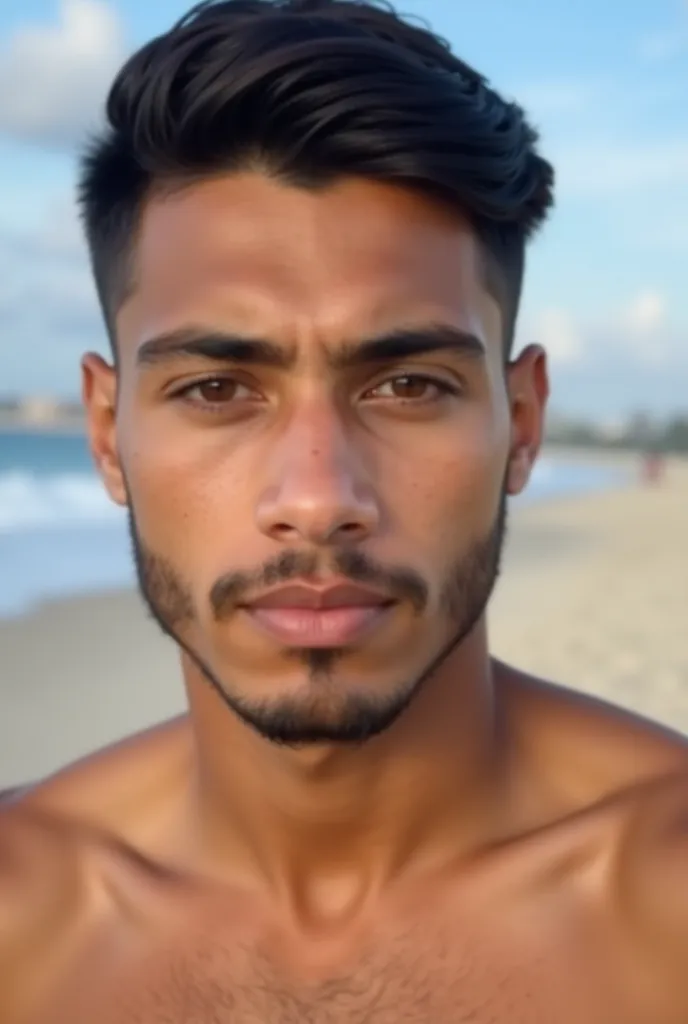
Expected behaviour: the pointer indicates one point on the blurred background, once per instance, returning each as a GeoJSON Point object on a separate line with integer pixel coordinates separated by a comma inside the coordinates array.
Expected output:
{"type": "Point", "coordinates": [595, 587]}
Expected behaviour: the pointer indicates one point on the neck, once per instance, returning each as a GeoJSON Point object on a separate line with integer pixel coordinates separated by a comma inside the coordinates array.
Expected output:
{"type": "Point", "coordinates": [429, 789]}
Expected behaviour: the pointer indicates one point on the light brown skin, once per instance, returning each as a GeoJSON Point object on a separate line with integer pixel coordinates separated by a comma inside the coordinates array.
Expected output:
{"type": "Point", "coordinates": [505, 851]}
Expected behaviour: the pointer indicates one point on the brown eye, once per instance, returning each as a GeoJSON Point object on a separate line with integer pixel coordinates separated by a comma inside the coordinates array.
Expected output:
{"type": "Point", "coordinates": [410, 387]}
{"type": "Point", "coordinates": [215, 391]}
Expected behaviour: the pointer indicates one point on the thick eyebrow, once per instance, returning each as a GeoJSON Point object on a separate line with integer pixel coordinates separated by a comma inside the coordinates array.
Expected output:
{"type": "Point", "coordinates": [406, 342]}
{"type": "Point", "coordinates": [227, 347]}
{"type": "Point", "coordinates": [218, 346]}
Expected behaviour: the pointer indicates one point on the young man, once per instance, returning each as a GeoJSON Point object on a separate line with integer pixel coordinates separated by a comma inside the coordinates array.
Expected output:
{"type": "Point", "coordinates": [307, 223]}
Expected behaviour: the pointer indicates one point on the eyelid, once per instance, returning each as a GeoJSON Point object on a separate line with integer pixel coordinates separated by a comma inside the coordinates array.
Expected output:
{"type": "Point", "coordinates": [182, 391]}
{"type": "Point", "coordinates": [182, 395]}
{"type": "Point", "coordinates": [453, 386]}
{"type": "Point", "coordinates": [233, 378]}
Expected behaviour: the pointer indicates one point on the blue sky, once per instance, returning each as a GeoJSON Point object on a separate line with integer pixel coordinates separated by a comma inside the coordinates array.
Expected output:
{"type": "Point", "coordinates": [607, 85]}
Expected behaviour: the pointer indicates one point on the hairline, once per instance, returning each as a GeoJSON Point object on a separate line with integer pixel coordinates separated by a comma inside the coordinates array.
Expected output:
{"type": "Point", "coordinates": [119, 283]}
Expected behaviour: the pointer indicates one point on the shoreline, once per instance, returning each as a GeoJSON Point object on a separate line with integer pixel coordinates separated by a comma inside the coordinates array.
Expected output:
{"type": "Point", "coordinates": [549, 541]}
{"type": "Point", "coordinates": [59, 428]}
{"type": "Point", "coordinates": [593, 594]}
{"type": "Point", "coordinates": [565, 474]}
{"type": "Point", "coordinates": [592, 450]}
{"type": "Point", "coordinates": [76, 426]}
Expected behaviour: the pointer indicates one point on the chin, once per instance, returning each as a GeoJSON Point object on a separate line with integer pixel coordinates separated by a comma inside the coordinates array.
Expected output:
{"type": "Point", "coordinates": [326, 712]}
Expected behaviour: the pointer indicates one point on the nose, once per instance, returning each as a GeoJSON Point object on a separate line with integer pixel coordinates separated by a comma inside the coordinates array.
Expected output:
{"type": "Point", "coordinates": [317, 491]}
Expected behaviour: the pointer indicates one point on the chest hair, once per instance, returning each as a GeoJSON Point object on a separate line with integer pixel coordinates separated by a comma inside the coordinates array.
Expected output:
{"type": "Point", "coordinates": [410, 980]}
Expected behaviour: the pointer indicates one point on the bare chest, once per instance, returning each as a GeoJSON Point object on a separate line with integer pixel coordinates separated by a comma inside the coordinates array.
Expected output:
{"type": "Point", "coordinates": [429, 974]}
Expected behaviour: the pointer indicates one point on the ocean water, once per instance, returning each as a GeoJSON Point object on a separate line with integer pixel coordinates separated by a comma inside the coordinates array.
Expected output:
{"type": "Point", "coordinates": [60, 534]}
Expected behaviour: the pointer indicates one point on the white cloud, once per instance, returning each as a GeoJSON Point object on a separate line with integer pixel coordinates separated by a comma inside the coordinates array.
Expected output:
{"type": "Point", "coordinates": [598, 168]}
{"type": "Point", "coordinates": [54, 77]}
{"type": "Point", "coordinates": [645, 330]}
{"type": "Point", "coordinates": [591, 130]}
{"type": "Point", "coordinates": [557, 331]}
{"type": "Point", "coordinates": [556, 96]}
{"type": "Point", "coordinates": [48, 308]}
{"type": "Point", "coordinates": [641, 329]}
{"type": "Point", "coordinates": [646, 313]}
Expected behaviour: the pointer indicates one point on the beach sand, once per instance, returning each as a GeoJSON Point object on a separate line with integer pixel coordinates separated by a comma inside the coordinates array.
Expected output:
{"type": "Point", "coordinates": [607, 613]}
{"type": "Point", "coordinates": [593, 594]}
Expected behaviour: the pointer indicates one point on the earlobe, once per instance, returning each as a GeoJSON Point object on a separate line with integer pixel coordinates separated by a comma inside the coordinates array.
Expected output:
{"type": "Point", "coordinates": [528, 388]}
{"type": "Point", "coordinates": [99, 395]}
{"type": "Point", "coordinates": [518, 473]}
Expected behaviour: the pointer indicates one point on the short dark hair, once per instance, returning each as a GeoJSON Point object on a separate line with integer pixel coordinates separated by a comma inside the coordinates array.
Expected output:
{"type": "Point", "coordinates": [311, 91]}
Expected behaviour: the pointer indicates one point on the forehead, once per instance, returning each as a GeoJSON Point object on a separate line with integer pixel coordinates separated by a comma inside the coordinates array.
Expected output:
{"type": "Point", "coordinates": [252, 253]}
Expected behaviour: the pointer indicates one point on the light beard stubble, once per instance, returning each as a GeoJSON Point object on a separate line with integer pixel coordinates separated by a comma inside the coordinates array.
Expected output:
{"type": "Point", "coordinates": [348, 717]}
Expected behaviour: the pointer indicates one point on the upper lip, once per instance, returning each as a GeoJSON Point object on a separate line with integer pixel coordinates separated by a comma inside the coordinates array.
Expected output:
{"type": "Point", "coordinates": [340, 595]}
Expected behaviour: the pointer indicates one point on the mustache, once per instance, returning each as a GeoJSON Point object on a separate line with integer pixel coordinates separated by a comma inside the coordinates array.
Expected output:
{"type": "Point", "coordinates": [401, 584]}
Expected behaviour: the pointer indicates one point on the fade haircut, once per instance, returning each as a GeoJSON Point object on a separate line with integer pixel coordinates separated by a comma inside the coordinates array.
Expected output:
{"type": "Point", "coordinates": [309, 92]}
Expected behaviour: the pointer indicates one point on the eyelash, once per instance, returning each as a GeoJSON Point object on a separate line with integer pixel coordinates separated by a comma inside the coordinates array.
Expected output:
{"type": "Point", "coordinates": [444, 389]}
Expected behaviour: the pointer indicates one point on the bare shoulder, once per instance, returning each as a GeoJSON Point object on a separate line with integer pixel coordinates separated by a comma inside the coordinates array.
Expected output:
{"type": "Point", "coordinates": [34, 854]}
{"type": "Point", "coordinates": [627, 777]}
{"type": "Point", "coordinates": [121, 790]}
{"type": "Point", "coordinates": [47, 829]}
{"type": "Point", "coordinates": [41, 892]}
{"type": "Point", "coordinates": [595, 749]}
{"type": "Point", "coordinates": [645, 879]}
{"type": "Point", "coordinates": [60, 840]}
{"type": "Point", "coordinates": [652, 866]}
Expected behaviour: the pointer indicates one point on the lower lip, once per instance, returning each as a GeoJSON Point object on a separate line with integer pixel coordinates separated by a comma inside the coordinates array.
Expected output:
{"type": "Point", "coordinates": [321, 627]}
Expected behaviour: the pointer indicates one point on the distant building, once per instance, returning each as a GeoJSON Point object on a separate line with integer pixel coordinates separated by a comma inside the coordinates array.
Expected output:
{"type": "Point", "coordinates": [612, 430]}
{"type": "Point", "coordinates": [39, 410]}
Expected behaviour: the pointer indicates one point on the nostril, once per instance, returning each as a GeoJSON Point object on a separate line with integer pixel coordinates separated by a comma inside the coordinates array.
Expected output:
{"type": "Point", "coordinates": [283, 528]}
{"type": "Point", "coordinates": [348, 532]}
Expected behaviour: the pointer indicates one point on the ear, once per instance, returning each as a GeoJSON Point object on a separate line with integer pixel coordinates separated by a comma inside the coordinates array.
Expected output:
{"type": "Point", "coordinates": [99, 395]}
{"type": "Point", "coordinates": [528, 387]}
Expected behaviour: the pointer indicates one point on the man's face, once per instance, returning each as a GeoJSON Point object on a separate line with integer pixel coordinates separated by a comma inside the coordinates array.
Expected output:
{"type": "Point", "coordinates": [311, 392]}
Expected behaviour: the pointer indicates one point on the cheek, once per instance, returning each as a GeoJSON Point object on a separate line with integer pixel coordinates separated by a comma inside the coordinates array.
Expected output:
{"type": "Point", "coordinates": [454, 489]}
{"type": "Point", "coordinates": [187, 499]}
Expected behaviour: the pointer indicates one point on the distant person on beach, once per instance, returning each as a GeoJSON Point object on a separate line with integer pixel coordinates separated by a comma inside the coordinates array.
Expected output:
{"type": "Point", "coordinates": [651, 466]}
{"type": "Point", "coordinates": [308, 223]}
